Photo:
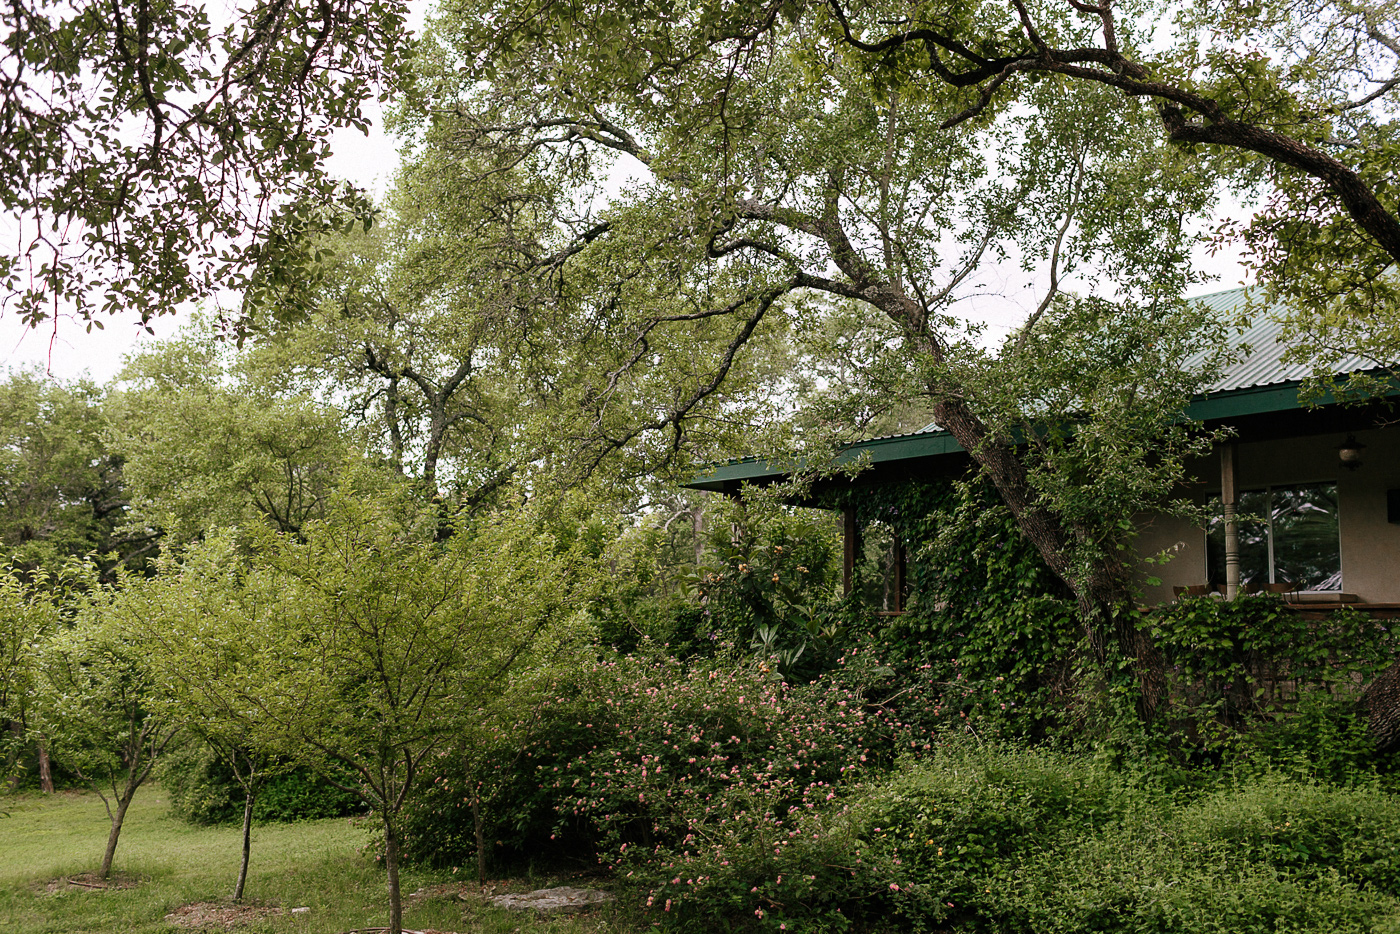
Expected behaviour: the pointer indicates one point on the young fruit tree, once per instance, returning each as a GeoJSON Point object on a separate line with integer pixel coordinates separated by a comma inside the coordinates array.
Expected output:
{"type": "Point", "coordinates": [97, 709]}
{"type": "Point", "coordinates": [193, 619]}
{"type": "Point", "coordinates": [381, 643]}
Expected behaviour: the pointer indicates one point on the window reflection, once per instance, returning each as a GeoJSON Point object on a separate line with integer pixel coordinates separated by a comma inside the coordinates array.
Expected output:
{"type": "Point", "coordinates": [1288, 535]}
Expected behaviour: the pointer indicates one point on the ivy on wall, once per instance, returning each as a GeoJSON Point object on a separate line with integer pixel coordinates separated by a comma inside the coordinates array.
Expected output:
{"type": "Point", "coordinates": [988, 629]}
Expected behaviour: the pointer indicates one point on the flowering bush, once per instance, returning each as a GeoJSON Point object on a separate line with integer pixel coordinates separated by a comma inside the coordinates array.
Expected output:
{"type": "Point", "coordinates": [632, 755]}
{"type": "Point", "coordinates": [1005, 841]}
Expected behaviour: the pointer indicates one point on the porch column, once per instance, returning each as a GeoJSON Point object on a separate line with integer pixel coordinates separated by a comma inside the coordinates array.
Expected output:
{"type": "Point", "coordinates": [851, 540]}
{"type": "Point", "coordinates": [1228, 499]}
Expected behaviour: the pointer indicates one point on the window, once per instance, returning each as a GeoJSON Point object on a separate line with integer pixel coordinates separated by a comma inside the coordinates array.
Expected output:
{"type": "Point", "coordinates": [1288, 535]}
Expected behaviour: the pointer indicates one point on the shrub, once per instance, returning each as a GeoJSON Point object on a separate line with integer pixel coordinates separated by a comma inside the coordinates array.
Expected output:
{"type": "Point", "coordinates": [1003, 841]}
{"type": "Point", "coordinates": [202, 790]}
{"type": "Point", "coordinates": [632, 752]}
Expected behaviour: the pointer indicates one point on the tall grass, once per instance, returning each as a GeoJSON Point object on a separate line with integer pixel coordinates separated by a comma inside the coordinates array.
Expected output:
{"type": "Point", "coordinates": [315, 864]}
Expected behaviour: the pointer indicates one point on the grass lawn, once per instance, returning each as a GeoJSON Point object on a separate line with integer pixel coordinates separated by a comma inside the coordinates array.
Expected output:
{"type": "Point", "coordinates": [316, 865]}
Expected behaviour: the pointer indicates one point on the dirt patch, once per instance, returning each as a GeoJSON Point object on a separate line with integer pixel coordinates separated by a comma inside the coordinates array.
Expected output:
{"type": "Point", "coordinates": [216, 915]}
{"type": "Point", "coordinates": [457, 891]}
{"type": "Point", "coordinates": [90, 882]}
{"type": "Point", "coordinates": [559, 898]}
{"type": "Point", "coordinates": [516, 894]}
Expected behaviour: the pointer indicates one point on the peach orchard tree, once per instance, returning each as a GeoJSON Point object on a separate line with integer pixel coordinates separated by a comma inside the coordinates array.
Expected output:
{"type": "Point", "coordinates": [363, 645]}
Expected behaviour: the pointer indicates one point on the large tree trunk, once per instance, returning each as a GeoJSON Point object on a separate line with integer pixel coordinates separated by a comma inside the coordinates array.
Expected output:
{"type": "Point", "coordinates": [1381, 702]}
{"type": "Point", "coordinates": [1102, 591]}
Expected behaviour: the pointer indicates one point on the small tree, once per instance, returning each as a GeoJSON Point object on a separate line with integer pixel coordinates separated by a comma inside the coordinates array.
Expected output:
{"type": "Point", "coordinates": [27, 615]}
{"type": "Point", "coordinates": [378, 642]}
{"type": "Point", "coordinates": [97, 710]}
{"type": "Point", "coordinates": [193, 620]}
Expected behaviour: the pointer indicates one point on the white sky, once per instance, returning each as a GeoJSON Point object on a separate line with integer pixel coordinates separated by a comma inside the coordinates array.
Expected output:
{"type": "Point", "coordinates": [64, 346]}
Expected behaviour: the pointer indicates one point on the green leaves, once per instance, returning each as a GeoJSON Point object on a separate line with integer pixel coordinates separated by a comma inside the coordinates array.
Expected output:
{"type": "Point", "coordinates": [161, 152]}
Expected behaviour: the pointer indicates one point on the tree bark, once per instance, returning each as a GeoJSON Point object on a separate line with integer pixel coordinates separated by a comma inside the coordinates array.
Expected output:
{"type": "Point", "coordinates": [1380, 700]}
{"type": "Point", "coordinates": [12, 770]}
{"type": "Point", "coordinates": [117, 818]}
{"type": "Point", "coordinates": [247, 846]}
{"type": "Point", "coordinates": [391, 869]}
{"type": "Point", "coordinates": [480, 839]}
{"type": "Point", "coordinates": [45, 769]}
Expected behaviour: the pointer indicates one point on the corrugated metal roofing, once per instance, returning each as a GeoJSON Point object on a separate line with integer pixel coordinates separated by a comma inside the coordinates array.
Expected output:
{"type": "Point", "coordinates": [1263, 365]}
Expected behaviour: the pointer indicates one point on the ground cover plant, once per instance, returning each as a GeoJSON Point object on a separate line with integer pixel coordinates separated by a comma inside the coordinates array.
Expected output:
{"type": "Point", "coordinates": [1007, 840]}
{"type": "Point", "coordinates": [320, 865]}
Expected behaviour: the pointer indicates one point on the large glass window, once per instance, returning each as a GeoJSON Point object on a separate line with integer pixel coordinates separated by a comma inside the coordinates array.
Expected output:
{"type": "Point", "coordinates": [1288, 535]}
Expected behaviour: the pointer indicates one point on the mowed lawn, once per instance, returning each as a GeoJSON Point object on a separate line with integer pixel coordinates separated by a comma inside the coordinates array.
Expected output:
{"type": "Point", "coordinates": [320, 865]}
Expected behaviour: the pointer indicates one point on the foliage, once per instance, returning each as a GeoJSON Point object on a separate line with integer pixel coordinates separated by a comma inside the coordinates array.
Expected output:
{"type": "Point", "coordinates": [1255, 676]}
{"type": "Point", "coordinates": [813, 194]}
{"type": "Point", "coordinates": [28, 616]}
{"type": "Point", "coordinates": [202, 790]}
{"type": "Point", "coordinates": [373, 641]}
{"type": "Point", "coordinates": [989, 632]}
{"type": "Point", "coordinates": [988, 839]}
{"type": "Point", "coordinates": [768, 588]}
{"type": "Point", "coordinates": [644, 754]}
{"type": "Point", "coordinates": [97, 708]}
{"type": "Point", "coordinates": [60, 484]}
{"type": "Point", "coordinates": [209, 442]}
{"type": "Point", "coordinates": [423, 337]}
{"type": "Point", "coordinates": [156, 155]}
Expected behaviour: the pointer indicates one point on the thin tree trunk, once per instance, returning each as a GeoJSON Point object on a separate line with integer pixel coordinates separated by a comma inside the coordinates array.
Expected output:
{"type": "Point", "coordinates": [117, 818]}
{"type": "Point", "coordinates": [391, 868]}
{"type": "Point", "coordinates": [12, 770]}
{"type": "Point", "coordinates": [247, 845]}
{"type": "Point", "coordinates": [45, 769]}
{"type": "Point", "coordinates": [480, 839]}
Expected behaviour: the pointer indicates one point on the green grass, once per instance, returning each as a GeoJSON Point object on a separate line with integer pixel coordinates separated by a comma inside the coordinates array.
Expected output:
{"type": "Point", "coordinates": [316, 864]}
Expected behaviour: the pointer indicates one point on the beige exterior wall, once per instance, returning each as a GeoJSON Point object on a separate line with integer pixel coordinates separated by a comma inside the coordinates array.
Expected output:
{"type": "Point", "coordinates": [1370, 544]}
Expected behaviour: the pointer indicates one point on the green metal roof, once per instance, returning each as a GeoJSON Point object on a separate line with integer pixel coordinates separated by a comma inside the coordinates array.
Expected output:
{"type": "Point", "coordinates": [1260, 382]}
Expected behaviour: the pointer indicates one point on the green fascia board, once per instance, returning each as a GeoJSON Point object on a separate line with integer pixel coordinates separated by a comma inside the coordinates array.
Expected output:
{"type": "Point", "coordinates": [1233, 403]}
{"type": "Point", "coordinates": [1252, 401]}
{"type": "Point", "coordinates": [877, 451]}
{"type": "Point", "coordinates": [1255, 400]}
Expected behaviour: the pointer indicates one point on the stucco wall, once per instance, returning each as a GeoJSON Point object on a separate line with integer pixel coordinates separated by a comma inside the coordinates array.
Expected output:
{"type": "Point", "coordinates": [1370, 544]}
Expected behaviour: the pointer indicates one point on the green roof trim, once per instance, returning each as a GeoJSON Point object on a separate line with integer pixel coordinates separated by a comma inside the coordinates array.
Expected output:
{"type": "Point", "coordinates": [1252, 401]}
{"type": "Point", "coordinates": [1232, 403]}
{"type": "Point", "coordinates": [879, 450]}
{"type": "Point", "coordinates": [1258, 384]}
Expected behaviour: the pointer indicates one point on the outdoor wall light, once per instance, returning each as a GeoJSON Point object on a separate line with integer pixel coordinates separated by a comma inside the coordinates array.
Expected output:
{"type": "Point", "coordinates": [1350, 452]}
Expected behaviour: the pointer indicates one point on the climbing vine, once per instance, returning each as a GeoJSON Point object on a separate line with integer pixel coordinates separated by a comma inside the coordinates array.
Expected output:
{"type": "Point", "coordinates": [988, 630]}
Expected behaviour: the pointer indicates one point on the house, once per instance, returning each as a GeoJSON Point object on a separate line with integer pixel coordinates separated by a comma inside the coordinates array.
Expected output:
{"type": "Point", "coordinates": [1317, 487]}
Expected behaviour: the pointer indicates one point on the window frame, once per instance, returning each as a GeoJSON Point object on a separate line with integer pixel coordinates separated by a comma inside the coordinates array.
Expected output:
{"type": "Point", "coordinates": [1217, 521]}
